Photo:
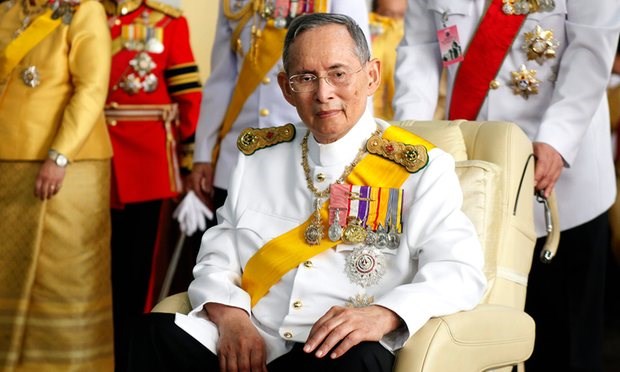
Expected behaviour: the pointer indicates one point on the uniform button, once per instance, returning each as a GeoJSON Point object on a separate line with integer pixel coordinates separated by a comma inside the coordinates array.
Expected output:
{"type": "Point", "coordinates": [494, 84]}
{"type": "Point", "coordinates": [266, 80]}
{"type": "Point", "coordinates": [117, 22]}
{"type": "Point", "coordinates": [308, 264]}
{"type": "Point", "coordinates": [297, 304]}
{"type": "Point", "coordinates": [264, 112]}
{"type": "Point", "coordinates": [114, 104]}
{"type": "Point", "coordinates": [112, 123]}
{"type": "Point", "coordinates": [288, 335]}
{"type": "Point", "coordinates": [124, 10]}
{"type": "Point", "coordinates": [320, 177]}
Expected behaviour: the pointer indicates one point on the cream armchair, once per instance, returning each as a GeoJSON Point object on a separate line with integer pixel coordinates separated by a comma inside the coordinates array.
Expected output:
{"type": "Point", "coordinates": [496, 173]}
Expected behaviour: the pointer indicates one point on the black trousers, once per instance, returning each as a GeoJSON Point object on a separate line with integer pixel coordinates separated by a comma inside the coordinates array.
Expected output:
{"type": "Point", "coordinates": [134, 231]}
{"type": "Point", "coordinates": [566, 300]}
{"type": "Point", "coordinates": [160, 346]}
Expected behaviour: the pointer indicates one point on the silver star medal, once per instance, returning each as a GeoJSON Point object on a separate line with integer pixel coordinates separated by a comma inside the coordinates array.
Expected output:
{"type": "Point", "coordinates": [365, 266]}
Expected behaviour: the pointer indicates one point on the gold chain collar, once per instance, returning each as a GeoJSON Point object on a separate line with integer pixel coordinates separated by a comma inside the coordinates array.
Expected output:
{"type": "Point", "coordinates": [347, 170]}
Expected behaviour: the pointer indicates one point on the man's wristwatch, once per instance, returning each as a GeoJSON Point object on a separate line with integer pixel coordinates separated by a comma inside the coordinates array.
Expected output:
{"type": "Point", "coordinates": [58, 158]}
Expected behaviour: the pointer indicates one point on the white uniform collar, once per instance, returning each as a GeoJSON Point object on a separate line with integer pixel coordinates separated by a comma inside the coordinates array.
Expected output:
{"type": "Point", "coordinates": [344, 149]}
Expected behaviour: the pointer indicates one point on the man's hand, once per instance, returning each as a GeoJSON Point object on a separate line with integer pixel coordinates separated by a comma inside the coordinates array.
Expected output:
{"type": "Point", "coordinates": [549, 165]}
{"type": "Point", "coordinates": [347, 327]}
{"type": "Point", "coordinates": [240, 347]}
{"type": "Point", "coordinates": [49, 180]}
{"type": "Point", "coordinates": [201, 181]}
{"type": "Point", "coordinates": [616, 65]}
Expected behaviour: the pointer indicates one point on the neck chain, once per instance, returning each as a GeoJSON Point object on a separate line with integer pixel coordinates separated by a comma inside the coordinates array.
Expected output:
{"type": "Point", "coordinates": [314, 232]}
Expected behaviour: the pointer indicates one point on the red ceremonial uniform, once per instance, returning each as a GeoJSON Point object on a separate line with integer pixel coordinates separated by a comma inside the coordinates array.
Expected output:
{"type": "Point", "coordinates": [151, 110]}
{"type": "Point", "coordinates": [152, 64]}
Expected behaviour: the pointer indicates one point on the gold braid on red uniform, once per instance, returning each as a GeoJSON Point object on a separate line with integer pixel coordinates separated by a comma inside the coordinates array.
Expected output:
{"type": "Point", "coordinates": [182, 79]}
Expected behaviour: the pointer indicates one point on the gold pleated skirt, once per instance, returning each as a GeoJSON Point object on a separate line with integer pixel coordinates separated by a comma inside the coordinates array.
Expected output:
{"type": "Point", "coordinates": [55, 290]}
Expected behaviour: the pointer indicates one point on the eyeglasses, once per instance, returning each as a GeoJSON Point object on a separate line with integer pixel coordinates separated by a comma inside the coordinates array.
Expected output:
{"type": "Point", "coordinates": [306, 83]}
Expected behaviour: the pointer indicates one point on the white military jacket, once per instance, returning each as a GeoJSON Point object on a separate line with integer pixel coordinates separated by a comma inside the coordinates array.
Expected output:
{"type": "Point", "coordinates": [265, 107]}
{"type": "Point", "coordinates": [570, 110]}
{"type": "Point", "coordinates": [436, 270]}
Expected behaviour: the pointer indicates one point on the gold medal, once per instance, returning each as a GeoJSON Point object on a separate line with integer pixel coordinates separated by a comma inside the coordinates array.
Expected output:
{"type": "Point", "coordinates": [540, 45]}
{"type": "Point", "coordinates": [354, 232]}
{"type": "Point", "coordinates": [524, 82]}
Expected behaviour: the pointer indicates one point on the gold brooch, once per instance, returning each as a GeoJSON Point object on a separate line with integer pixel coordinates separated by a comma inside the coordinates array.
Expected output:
{"type": "Point", "coordinates": [252, 139]}
{"type": "Point", "coordinates": [412, 157]}
{"type": "Point", "coordinates": [524, 82]}
{"type": "Point", "coordinates": [540, 45]}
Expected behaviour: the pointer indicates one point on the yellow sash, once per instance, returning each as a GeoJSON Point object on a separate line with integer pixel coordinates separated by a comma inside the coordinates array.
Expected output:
{"type": "Point", "coordinates": [287, 251]}
{"type": "Point", "coordinates": [40, 28]}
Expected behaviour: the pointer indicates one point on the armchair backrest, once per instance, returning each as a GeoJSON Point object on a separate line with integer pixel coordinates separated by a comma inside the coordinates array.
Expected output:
{"type": "Point", "coordinates": [495, 167]}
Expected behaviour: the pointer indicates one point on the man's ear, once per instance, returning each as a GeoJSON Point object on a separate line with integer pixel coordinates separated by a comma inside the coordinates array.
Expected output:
{"type": "Point", "coordinates": [374, 75]}
{"type": "Point", "coordinates": [286, 88]}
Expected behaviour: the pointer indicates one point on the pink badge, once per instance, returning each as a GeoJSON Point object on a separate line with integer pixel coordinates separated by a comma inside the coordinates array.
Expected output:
{"type": "Point", "coordinates": [449, 45]}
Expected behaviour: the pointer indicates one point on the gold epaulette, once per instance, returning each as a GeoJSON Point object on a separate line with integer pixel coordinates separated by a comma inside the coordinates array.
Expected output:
{"type": "Point", "coordinates": [164, 8]}
{"type": "Point", "coordinates": [252, 139]}
{"type": "Point", "coordinates": [412, 157]}
{"type": "Point", "coordinates": [114, 8]}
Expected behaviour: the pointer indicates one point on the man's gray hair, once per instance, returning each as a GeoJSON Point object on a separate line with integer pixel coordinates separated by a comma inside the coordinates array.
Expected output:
{"type": "Point", "coordinates": [307, 22]}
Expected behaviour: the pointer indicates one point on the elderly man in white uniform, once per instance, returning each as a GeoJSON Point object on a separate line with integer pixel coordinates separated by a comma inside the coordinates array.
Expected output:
{"type": "Point", "coordinates": [544, 65]}
{"type": "Point", "coordinates": [341, 235]}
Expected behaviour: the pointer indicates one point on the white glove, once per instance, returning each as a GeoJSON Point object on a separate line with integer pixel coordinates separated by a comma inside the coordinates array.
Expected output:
{"type": "Point", "coordinates": [191, 214]}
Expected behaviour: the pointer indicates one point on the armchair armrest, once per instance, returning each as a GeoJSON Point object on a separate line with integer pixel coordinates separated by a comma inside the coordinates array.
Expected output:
{"type": "Point", "coordinates": [178, 303]}
{"type": "Point", "coordinates": [489, 336]}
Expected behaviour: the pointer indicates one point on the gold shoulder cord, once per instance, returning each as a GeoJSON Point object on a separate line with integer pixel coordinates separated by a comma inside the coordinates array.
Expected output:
{"type": "Point", "coordinates": [235, 16]}
{"type": "Point", "coordinates": [243, 16]}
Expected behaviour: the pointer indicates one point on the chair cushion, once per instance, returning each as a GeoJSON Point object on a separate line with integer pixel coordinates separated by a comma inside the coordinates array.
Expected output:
{"type": "Point", "coordinates": [444, 134]}
{"type": "Point", "coordinates": [481, 203]}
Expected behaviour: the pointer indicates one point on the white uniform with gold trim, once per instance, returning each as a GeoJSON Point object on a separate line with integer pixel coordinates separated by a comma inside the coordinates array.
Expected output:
{"type": "Point", "coordinates": [266, 106]}
{"type": "Point", "coordinates": [436, 270]}
{"type": "Point", "coordinates": [570, 110]}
